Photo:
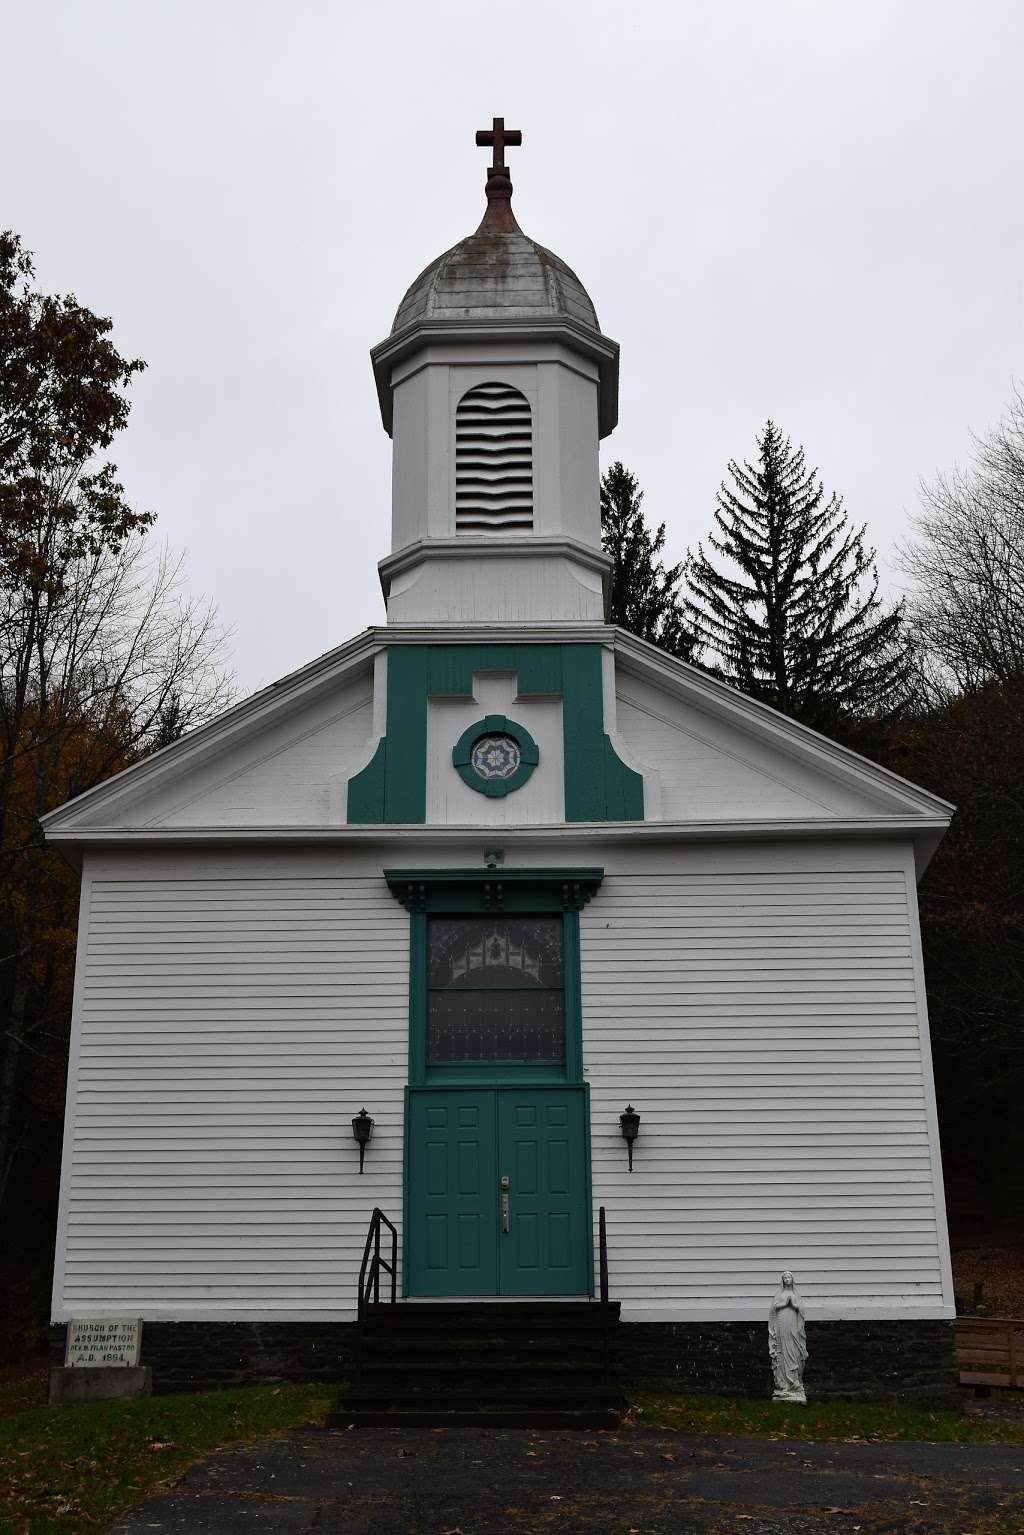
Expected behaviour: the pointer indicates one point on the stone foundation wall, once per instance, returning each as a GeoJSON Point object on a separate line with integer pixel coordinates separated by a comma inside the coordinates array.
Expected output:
{"type": "Point", "coordinates": [866, 1361]}
{"type": "Point", "coordinates": [863, 1361]}
{"type": "Point", "coordinates": [210, 1356]}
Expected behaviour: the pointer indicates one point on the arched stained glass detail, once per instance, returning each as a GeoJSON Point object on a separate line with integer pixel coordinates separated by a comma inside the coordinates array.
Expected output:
{"type": "Point", "coordinates": [495, 989]}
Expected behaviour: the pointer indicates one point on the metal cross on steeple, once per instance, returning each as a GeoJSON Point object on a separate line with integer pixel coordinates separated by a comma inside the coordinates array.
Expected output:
{"type": "Point", "coordinates": [499, 136]}
{"type": "Point", "coordinates": [499, 218]}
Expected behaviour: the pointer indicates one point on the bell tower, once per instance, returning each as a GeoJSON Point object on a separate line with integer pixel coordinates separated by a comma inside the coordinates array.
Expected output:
{"type": "Point", "coordinates": [495, 385]}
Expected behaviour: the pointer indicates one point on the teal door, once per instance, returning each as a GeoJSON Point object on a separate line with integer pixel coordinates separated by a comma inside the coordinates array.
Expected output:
{"type": "Point", "coordinates": [451, 1214]}
{"type": "Point", "coordinates": [541, 1151]}
{"type": "Point", "coordinates": [470, 1233]}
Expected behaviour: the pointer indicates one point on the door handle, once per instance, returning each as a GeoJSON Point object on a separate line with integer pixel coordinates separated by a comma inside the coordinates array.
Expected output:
{"type": "Point", "coordinates": [503, 1185]}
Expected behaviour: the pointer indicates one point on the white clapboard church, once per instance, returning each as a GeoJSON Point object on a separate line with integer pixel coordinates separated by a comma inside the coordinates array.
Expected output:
{"type": "Point", "coordinates": [494, 872]}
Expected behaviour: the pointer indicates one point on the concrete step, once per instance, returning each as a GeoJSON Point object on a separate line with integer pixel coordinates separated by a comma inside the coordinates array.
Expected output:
{"type": "Point", "coordinates": [383, 1371]}
{"type": "Point", "coordinates": [544, 1330]}
{"type": "Point", "coordinates": [408, 1313]}
{"type": "Point", "coordinates": [478, 1350]}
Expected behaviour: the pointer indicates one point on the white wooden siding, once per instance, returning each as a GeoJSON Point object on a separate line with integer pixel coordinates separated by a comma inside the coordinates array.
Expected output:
{"type": "Point", "coordinates": [762, 1007]}
{"type": "Point", "coordinates": [228, 1029]}
{"type": "Point", "coordinates": [768, 1024]}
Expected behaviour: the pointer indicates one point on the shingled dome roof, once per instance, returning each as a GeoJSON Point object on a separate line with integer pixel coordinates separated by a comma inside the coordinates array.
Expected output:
{"type": "Point", "coordinates": [496, 275]}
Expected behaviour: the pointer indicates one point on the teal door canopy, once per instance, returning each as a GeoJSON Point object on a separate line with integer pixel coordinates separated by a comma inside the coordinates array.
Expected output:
{"type": "Point", "coordinates": [392, 788]}
{"type": "Point", "coordinates": [498, 1192]}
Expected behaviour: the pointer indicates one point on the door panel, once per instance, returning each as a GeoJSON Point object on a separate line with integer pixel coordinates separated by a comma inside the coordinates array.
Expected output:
{"type": "Point", "coordinates": [461, 1142]}
{"type": "Point", "coordinates": [541, 1145]}
{"type": "Point", "coordinates": [453, 1210]}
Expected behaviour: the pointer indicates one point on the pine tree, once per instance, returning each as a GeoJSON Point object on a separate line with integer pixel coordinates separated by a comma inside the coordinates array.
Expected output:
{"type": "Point", "coordinates": [645, 597]}
{"type": "Point", "coordinates": [792, 623]}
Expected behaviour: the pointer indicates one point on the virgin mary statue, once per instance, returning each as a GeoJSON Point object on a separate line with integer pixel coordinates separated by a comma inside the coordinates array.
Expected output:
{"type": "Point", "coordinates": [787, 1342]}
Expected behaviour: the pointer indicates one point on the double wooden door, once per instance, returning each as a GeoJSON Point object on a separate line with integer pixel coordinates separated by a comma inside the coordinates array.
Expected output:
{"type": "Point", "coordinates": [497, 1192]}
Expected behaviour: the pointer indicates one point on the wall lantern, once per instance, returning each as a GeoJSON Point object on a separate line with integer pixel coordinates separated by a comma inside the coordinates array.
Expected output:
{"type": "Point", "coordinates": [630, 1122]}
{"type": "Point", "coordinates": [362, 1133]}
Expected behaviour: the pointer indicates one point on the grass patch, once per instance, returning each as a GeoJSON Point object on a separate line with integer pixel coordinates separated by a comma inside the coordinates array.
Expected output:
{"type": "Point", "coordinates": [819, 1420]}
{"type": "Point", "coordinates": [75, 1469]}
{"type": "Point", "coordinates": [23, 1386]}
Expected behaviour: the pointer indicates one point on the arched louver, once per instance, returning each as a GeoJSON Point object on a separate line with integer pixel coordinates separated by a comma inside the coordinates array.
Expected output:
{"type": "Point", "coordinates": [493, 461]}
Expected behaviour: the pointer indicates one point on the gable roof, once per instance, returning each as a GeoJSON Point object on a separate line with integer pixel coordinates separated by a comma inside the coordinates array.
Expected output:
{"type": "Point", "coordinates": [785, 735]}
{"type": "Point", "coordinates": [104, 814]}
{"type": "Point", "coordinates": [242, 721]}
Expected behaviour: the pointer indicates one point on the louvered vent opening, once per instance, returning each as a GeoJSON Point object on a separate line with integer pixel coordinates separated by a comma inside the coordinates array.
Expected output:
{"type": "Point", "coordinates": [493, 461]}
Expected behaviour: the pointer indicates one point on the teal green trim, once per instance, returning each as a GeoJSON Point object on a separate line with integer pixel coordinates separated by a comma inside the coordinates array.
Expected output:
{"type": "Point", "coordinates": [417, 998]}
{"type": "Point", "coordinates": [589, 1189]}
{"type": "Point", "coordinates": [624, 788]}
{"type": "Point", "coordinates": [498, 1073]}
{"type": "Point", "coordinates": [582, 733]}
{"type": "Point", "coordinates": [495, 724]}
{"type": "Point", "coordinates": [366, 790]}
{"type": "Point", "coordinates": [573, 997]}
{"type": "Point", "coordinates": [538, 668]}
{"type": "Point", "coordinates": [405, 788]}
{"type": "Point", "coordinates": [470, 890]}
{"type": "Point", "coordinates": [406, 1205]}
{"type": "Point", "coordinates": [598, 784]}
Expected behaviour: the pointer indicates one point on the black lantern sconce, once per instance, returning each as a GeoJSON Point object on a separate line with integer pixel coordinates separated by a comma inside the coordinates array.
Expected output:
{"type": "Point", "coordinates": [630, 1123]}
{"type": "Point", "coordinates": [362, 1133]}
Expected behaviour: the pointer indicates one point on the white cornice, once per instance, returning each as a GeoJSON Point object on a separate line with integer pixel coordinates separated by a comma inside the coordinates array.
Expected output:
{"type": "Point", "coordinates": [924, 833]}
{"type": "Point", "coordinates": [463, 547]}
{"type": "Point", "coordinates": [604, 351]}
{"type": "Point", "coordinates": [510, 632]}
{"type": "Point", "coordinates": [418, 835]}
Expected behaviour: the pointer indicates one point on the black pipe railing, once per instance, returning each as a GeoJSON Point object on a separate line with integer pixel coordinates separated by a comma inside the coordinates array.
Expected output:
{"type": "Point", "coordinates": [369, 1269]}
{"type": "Point", "coordinates": [602, 1254]}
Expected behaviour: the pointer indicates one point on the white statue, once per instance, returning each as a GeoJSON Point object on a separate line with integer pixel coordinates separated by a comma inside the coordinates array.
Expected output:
{"type": "Point", "coordinates": [787, 1342]}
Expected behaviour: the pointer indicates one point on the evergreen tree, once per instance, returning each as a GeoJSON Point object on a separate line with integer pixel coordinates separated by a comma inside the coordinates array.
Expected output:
{"type": "Point", "coordinates": [793, 624]}
{"type": "Point", "coordinates": [645, 597]}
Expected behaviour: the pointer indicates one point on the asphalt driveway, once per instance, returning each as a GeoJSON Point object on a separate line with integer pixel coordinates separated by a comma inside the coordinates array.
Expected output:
{"type": "Point", "coordinates": [633, 1482]}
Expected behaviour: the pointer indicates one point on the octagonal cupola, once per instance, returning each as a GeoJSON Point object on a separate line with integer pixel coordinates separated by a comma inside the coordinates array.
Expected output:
{"type": "Point", "coordinates": [495, 384]}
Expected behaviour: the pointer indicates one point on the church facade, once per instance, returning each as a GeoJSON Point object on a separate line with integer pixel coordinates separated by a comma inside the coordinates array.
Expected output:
{"type": "Point", "coordinates": [490, 875]}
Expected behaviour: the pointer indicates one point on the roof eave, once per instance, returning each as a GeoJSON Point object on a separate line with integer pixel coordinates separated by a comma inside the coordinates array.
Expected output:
{"type": "Point", "coordinates": [219, 732]}
{"type": "Point", "coordinates": [924, 833]}
{"type": "Point", "coordinates": [387, 354]}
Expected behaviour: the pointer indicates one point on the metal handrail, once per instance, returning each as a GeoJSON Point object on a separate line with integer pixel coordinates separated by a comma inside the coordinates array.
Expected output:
{"type": "Point", "coordinates": [369, 1270]}
{"type": "Point", "coordinates": [602, 1252]}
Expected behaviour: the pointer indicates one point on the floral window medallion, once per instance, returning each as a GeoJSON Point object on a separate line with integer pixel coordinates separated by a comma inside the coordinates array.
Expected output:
{"type": "Point", "coordinates": [495, 756]}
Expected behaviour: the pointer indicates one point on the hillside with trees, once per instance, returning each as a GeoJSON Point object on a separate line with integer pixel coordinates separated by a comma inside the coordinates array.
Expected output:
{"type": "Point", "coordinates": [103, 658]}
{"type": "Point", "coordinates": [782, 601]}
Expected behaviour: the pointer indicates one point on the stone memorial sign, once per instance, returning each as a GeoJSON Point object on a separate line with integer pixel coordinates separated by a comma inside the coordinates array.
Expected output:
{"type": "Point", "coordinates": [104, 1343]}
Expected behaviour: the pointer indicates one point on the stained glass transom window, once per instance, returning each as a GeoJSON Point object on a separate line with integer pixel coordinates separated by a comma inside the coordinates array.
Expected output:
{"type": "Point", "coordinates": [496, 989]}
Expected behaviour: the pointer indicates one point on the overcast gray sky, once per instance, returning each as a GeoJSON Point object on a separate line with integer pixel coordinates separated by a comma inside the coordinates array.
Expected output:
{"type": "Point", "coordinates": [807, 210]}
